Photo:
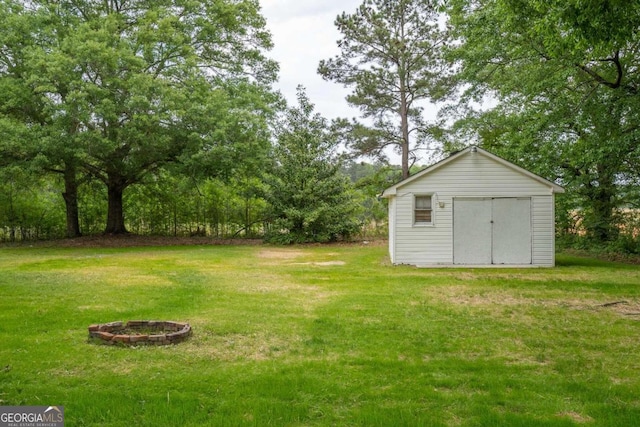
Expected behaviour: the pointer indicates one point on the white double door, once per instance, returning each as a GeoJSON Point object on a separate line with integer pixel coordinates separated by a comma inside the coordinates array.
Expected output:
{"type": "Point", "coordinates": [492, 231]}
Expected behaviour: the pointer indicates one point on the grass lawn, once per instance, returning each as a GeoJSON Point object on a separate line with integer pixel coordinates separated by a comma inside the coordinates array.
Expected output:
{"type": "Point", "coordinates": [319, 335]}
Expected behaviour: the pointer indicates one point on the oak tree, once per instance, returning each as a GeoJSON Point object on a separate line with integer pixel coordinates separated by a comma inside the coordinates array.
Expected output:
{"type": "Point", "coordinates": [134, 84]}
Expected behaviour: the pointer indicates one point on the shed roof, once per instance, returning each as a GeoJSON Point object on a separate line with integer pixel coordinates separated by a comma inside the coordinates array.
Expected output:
{"type": "Point", "coordinates": [391, 191]}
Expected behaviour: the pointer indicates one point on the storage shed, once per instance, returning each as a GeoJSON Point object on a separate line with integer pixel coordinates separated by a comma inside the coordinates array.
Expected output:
{"type": "Point", "coordinates": [472, 208]}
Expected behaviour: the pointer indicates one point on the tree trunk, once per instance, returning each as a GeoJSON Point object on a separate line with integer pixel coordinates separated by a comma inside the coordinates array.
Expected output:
{"type": "Point", "coordinates": [70, 197]}
{"type": "Point", "coordinates": [115, 213]}
{"type": "Point", "coordinates": [404, 101]}
{"type": "Point", "coordinates": [404, 124]}
{"type": "Point", "coordinates": [602, 226]}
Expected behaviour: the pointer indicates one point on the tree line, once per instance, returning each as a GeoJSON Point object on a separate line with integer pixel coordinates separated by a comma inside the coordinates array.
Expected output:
{"type": "Point", "coordinates": [160, 117]}
{"type": "Point", "coordinates": [175, 204]}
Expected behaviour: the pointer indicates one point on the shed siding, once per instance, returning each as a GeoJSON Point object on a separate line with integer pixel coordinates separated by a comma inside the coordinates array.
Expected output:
{"type": "Point", "coordinates": [392, 230]}
{"type": "Point", "coordinates": [543, 232]}
{"type": "Point", "coordinates": [468, 176]}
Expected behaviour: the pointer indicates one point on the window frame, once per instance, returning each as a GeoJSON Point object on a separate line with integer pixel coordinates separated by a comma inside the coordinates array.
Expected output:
{"type": "Point", "coordinates": [431, 209]}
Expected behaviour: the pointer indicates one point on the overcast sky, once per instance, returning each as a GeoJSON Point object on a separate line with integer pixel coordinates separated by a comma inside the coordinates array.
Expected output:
{"type": "Point", "coordinates": [303, 34]}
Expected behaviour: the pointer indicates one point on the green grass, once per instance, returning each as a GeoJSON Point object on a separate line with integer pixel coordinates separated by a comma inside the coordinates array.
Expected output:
{"type": "Point", "coordinates": [328, 335]}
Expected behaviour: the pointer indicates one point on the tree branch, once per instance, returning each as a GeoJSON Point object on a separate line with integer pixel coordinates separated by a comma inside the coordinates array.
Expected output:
{"type": "Point", "coordinates": [603, 81]}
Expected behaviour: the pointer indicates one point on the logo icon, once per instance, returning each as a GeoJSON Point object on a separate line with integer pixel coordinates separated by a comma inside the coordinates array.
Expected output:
{"type": "Point", "coordinates": [32, 416]}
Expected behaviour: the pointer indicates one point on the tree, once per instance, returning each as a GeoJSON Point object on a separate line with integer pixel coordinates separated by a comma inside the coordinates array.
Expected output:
{"type": "Point", "coordinates": [565, 75]}
{"type": "Point", "coordinates": [369, 180]}
{"type": "Point", "coordinates": [29, 208]}
{"type": "Point", "coordinates": [34, 133]}
{"type": "Point", "coordinates": [390, 56]}
{"type": "Point", "coordinates": [141, 83]}
{"type": "Point", "coordinates": [310, 200]}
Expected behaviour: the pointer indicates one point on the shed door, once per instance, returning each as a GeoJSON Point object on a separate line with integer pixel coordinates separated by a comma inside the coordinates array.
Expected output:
{"type": "Point", "coordinates": [472, 231]}
{"type": "Point", "coordinates": [492, 231]}
{"type": "Point", "coordinates": [511, 242]}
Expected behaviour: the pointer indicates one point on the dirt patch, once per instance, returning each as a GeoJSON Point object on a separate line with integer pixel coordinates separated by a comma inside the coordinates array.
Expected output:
{"type": "Point", "coordinates": [255, 346]}
{"type": "Point", "coordinates": [463, 295]}
{"type": "Point", "coordinates": [275, 256]}
{"type": "Point", "coordinates": [487, 299]}
{"type": "Point", "coordinates": [132, 240]}
{"type": "Point", "coordinates": [627, 308]}
{"type": "Point", "coordinates": [121, 277]}
{"type": "Point", "coordinates": [280, 254]}
{"type": "Point", "coordinates": [576, 417]}
{"type": "Point", "coordinates": [322, 263]}
{"type": "Point", "coordinates": [308, 297]}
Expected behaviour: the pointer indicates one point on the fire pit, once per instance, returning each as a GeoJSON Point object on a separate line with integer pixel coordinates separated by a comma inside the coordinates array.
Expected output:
{"type": "Point", "coordinates": [140, 332]}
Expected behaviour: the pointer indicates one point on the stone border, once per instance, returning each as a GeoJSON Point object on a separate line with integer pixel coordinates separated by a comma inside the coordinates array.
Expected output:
{"type": "Point", "coordinates": [167, 332]}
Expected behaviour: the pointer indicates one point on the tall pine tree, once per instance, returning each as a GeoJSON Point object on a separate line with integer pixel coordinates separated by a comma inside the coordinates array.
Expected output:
{"type": "Point", "coordinates": [390, 56]}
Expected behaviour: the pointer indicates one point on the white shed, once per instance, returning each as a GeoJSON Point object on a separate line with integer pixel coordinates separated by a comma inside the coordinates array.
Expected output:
{"type": "Point", "coordinates": [473, 208]}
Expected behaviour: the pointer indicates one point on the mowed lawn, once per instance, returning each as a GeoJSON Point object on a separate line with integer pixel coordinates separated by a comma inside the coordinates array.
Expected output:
{"type": "Point", "coordinates": [319, 335]}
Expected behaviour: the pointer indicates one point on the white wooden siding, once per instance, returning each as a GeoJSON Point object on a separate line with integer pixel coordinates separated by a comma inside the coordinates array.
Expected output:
{"type": "Point", "coordinates": [392, 230]}
{"type": "Point", "coordinates": [543, 230]}
{"type": "Point", "coordinates": [470, 175]}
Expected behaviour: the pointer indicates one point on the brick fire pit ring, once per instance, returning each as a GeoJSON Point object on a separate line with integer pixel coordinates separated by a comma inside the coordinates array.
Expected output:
{"type": "Point", "coordinates": [140, 332]}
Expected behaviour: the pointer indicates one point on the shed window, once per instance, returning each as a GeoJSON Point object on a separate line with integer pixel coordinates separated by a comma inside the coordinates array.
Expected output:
{"type": "Point", "coordinates": [422, 210]}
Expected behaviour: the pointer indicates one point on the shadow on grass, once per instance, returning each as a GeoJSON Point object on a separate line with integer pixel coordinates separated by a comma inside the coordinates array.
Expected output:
{"type": "Point", "coordinates": [589, 260]}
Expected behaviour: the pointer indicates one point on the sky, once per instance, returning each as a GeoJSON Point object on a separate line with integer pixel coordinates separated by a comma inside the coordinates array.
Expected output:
{"type": "Point", "coordinates": [303, 34]}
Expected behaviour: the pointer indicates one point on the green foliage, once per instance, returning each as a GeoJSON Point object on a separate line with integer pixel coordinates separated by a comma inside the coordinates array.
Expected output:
{"type": "Point", "coordinates": [369, 181]}
{"type": "Point", "coordinates": [176, 205]}
{"type": "Point", "coordinates": [310, 200]}
{"type": "Point", "coordinates": [30, 208]}
{"type": "Point", "coordinates": [120, 89]}
{"type": "Point", "coordinates": [390, 57]}
{"type": "Point", "coordinates": [167, 204]}
{"type": "Point", "coordinates": [92, 202]}
{"type": "Point", "coordinates": [565, 77]}
{"type": "Point", "coordinates": [150, 116]}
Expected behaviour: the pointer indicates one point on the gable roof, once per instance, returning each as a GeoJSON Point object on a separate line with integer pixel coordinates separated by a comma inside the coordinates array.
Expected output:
{"type": "Point", "coordinates": [391, 191]}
